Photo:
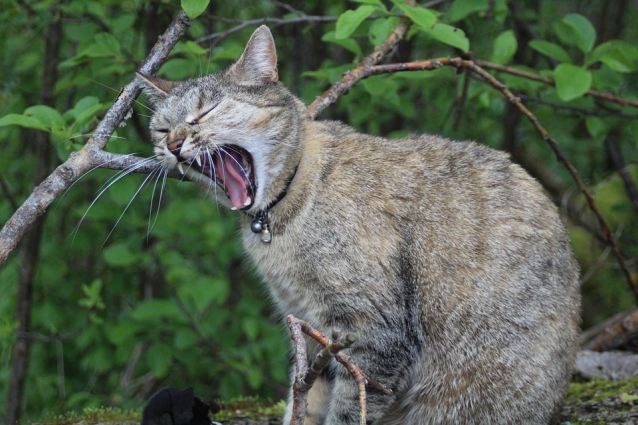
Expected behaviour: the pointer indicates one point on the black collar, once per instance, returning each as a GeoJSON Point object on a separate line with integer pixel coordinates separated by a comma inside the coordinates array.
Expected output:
{"type": "Point", "coordinates": [261, 222]}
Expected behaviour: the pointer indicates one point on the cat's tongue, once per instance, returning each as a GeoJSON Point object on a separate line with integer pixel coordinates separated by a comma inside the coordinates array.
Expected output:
{"type": "Point", "coordinates": [231, 172]}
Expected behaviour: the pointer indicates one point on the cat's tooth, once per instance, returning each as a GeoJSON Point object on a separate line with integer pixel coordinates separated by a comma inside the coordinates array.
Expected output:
{"type": "Point", "coordinates": [233, 208]}
{"type": "Point", "coordinates": [180, 167]}
{"type": "Point", "coordinates": [198, 160]}
{"type": "Point", "coordinates": [248, 201]}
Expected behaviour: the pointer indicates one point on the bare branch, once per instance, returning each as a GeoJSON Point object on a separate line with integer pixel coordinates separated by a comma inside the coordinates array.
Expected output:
{"type": "Point", "coordinates": [535, 77]}
{"type": "Point", "coordinates": [89, 157]}
{"type": "Point", "coordinates": [299, 398]}
{"type": "Point", "coordinates": [578, 111]}
{"type": "Point", "coordinates": [300, 388]}
{"type": "Point", "coordinates": [272, 21]}
{"type": "Point", "coordinates": [350, 78]}
{"type": "Point", "coordinates": [323, 359]}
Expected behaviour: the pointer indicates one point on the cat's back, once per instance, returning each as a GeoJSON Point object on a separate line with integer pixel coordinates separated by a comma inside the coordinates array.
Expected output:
{"type": "Point", "coordinates": [483, 250]}
{"type": "Point", "coordinates": [439, 177]}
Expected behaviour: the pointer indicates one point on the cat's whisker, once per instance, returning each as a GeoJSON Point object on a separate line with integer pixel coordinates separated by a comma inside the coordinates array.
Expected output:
{"type": "Point", "coordinates": [106, 186]}
{"type": "Point", "coordinates": [93, 169]}
{"type": "Point", "coordinates": [117, 91]}
{"type": "Point", "coordinates": [163, 174]}
{"type": "Point", "coordinates": [91, 135]}
{"type": "Point", "coordinates": [144, 183]}
{"type": "Point", "coordinates": [127, 170]}
{"type": "Point", "coordinates": [150, 209]}
{"type": "Point", "coordinates": [209, 157]}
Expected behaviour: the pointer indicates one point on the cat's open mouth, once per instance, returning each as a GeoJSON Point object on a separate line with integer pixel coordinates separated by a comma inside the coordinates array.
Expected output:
{"type": "Point", "coordinates": [232, 167]}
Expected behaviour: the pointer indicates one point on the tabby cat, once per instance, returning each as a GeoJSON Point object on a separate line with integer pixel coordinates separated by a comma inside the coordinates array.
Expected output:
{"type": "Point", "coordinates": [447, 261]}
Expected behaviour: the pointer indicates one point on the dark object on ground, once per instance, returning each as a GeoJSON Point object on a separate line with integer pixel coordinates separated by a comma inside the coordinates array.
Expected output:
{"type": "Point", "coordinates": [170, 406]}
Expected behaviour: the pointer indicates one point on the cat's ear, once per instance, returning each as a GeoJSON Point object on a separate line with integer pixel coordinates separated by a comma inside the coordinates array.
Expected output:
{"type": "Point", "coordinates": [156, 89]}
{"type": "Point", "coordinates": [258, 64]}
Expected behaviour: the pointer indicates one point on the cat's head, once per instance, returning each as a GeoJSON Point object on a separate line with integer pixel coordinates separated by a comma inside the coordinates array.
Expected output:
{"type": "Point", "coordinates": [237, 134]}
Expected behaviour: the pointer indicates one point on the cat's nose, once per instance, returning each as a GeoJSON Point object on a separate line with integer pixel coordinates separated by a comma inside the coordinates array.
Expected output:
{"type": "Point", "coordinates": [175, 146]}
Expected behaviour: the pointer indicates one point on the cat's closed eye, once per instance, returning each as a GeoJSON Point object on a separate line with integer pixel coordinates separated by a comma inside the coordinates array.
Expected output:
{"type": "Point", "coordinates": [208, 112]}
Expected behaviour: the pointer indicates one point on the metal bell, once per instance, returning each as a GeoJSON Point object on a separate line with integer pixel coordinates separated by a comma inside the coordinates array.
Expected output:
{"type": "Point", "coordinates": [256, 226]}
{"type": "Point", "coordinates": [266, 237]}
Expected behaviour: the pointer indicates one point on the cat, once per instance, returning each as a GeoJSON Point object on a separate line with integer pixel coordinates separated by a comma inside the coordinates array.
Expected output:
{"type": "Point", "coordinates": [447, 260]}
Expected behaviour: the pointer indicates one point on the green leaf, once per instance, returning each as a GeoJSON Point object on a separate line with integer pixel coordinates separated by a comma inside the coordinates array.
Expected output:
{"type": "Point", "coordinates": [22, 121]}
{"type": "Point", "coordinates": [88, 114]}
{"type": "Point", "coordinates": [571, 81]}
{"type": "Point", "coordinates": [346, 43]}
{"type": "Point", "coordinates": [156, 308]}
{"type": "Point", "coordinates": [565, 33]}
{"type": "Point", "coordinates": [421, 17]}
{"type": "Point", "coordinates": [505, 46]}
{"type": "Point", "coordinates": [194, 8]}
{"type": "Point", "coordinates": [550, 49]}
{"type": "Point", "coordinates": [92, 292]}
{"type": "Point", "coordinates": [255, 378]}
{"type": "Point", "coordinates": [105, 45]}
{"type": "Point", "coordinates": [159, 356]}
{"type": "Point", "coordinates": [83, 104]}
{"type": "Point", "coordinates": [584, 31]}
{"type": "Point", "coordinates": [186, 339]}
{"type": "Point", "coordinates": [596, 127]}
{"type": "Point", "coordinates": [377, 3]}
{"type": "Point", "coordinates": [46, 115]}
{"type": "Point", "coordinates": [381, 29]}
{"type": "Point", "coordinates": [351, 19]}
{"type": "Point", "coordinates": [617, 55]}
{"type": "Point", "coordinates": [119, 254]}
{"type": "Point", "coordinates": [461, 8]}
{"type": "Point", "coordinates": [449, 35]}
{"type": "Point", "coordinates": [250, 325]}
{"type": "Point", "coordinates": [124, 331]}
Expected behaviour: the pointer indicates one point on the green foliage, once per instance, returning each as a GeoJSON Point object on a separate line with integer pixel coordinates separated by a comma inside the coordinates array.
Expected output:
{"type": "Point", "coordinates": [571, 81]}
{"type": "Point", "coordinates": [194, 8]}
{"type": "Point", "coordinates": [350, 20]}
{"type": "Point", "coordinates": [134, 294]}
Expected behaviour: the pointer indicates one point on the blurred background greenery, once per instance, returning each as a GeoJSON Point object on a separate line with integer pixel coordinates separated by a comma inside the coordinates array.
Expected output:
{"type": "Point", "coordinates": [145, 286]}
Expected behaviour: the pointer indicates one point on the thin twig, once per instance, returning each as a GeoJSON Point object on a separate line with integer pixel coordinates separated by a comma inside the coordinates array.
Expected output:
{"type": "Point", "coordinates": [472, 66]}
{"type": "Point", "coordinates": [351, 77]}
{"type": "Point", "coordinates": [267, 21]}
{"type": "Point", "coordinates": [288, 7]}
{"type": "Point", "coordinates": [299, 398]}
{"type": "Point", "coordinates": [535, 77]}
{"type": "Point", "coordinates": [599, 262]}
{"type": "Point", "coordinates": [299, 395]}
{"type": "Point", "coordinates": [324, 357]}
{"type": "Point", "coordinates": [342, 358]}
{"type": "Point", "coordinates": [460, 101]}
{"type": "Point", "coordinates": [579, 111]}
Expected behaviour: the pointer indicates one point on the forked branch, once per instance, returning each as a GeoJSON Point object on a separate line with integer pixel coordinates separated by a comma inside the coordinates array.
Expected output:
{"type": "Point", "coordinates": [305, 377]}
